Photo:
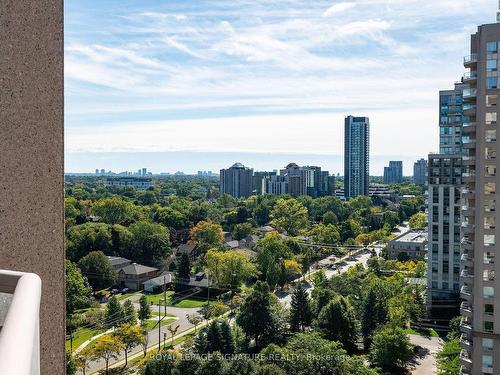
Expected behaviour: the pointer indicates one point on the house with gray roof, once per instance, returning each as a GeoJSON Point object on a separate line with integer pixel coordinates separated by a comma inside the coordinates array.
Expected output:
{"type": "Point", "coordinates": [118, 262]}
{"type": "Point", "coordinates": [135, 275]}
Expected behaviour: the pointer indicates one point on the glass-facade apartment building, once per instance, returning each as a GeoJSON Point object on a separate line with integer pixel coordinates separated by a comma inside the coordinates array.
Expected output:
{"type": "Point", "coordinates": [356, 156]}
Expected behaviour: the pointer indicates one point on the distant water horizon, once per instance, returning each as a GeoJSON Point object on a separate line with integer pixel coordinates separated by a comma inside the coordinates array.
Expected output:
{"type": "Point", "coordinates": [190, 162]}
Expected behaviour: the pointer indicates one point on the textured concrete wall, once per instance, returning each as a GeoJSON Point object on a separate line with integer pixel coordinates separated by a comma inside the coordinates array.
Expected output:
{"type": "Point", "coordinates": [31, 158]}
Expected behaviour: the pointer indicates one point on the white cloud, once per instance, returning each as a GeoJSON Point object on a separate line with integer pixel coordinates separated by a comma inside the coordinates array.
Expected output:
{"type": "Point", "coordinates": [256, 65]}
{"type": "Point", "coordinates": [338, 7]}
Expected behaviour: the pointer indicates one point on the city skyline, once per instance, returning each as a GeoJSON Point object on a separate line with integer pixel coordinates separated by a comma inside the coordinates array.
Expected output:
{"type": "Point", "coordinates": [169, 77]}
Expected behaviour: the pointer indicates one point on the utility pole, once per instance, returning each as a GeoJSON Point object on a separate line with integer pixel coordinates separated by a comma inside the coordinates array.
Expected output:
{"type": "Point", "coordinates": [208, 290]}
{"type": "Point", "coordinates": [165, 293]}
{"type": "Point", "coordinates": [159, 326]}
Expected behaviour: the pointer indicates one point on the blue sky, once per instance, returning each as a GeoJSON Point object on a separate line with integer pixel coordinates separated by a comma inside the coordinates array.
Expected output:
{"type": "Point", "coordinates": [165, 78]}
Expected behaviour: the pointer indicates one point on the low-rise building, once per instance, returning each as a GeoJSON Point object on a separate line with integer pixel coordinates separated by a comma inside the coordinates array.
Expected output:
{"type": "Point", "coordinates": [118, 262]}
{"type": "Point", "coordinates": [156, 284]}
{"type": "Point", "coordinates": [410, 245]}
{"type": "Point", "coordinates": [135, 275]}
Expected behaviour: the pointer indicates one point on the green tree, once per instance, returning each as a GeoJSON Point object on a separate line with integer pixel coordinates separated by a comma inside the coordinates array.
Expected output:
{"type": "Point", "coordinates": [375, 309]}
{"type": "Point", "coordinates": [448, 358]}
{"type": "Point", "coordinates": [97, 268]}
{"type": "Point", "coordinates": [184, 268]}
{"type": "Point", "coordinates": [171, 218]}
{"type": "Point", "coordinates": [70, 364]}
{"type": "Point", "coordinates": [213, 340]}
{"type": "Point", "coordinates": [300, 310]}
{"type": "Point", "coordinates": [144, 309]}
{"type": "Point", "coordinates": [329, 217]}
{"type": "Point", "coordinates": [391, 349]}
{"type": "Point", "coordinates": [337, 322]}
{"type": "Point", "coordinates": [271, 253]}
{"type": "Point", "coordinates": [150, 243]}
{"type": "Point", "coordinates": [309, 353]}
{"type": "Point", "coordinates": [418, 221]}
{"type": "Point", "coordinates": [229, 268]}
{"type": "Point", "coordinates": [78, 291]}
{"type": "Point", "coordinates": [82, 360]}
{"type": "Point", "coordinates": [255, 317]}
{"type": "Point", "coordinates": [194, 319]}
{"type": "Point", "coordinates": [114, 313]}
{"type": "Point", "coordinates": [129, 313]}
{"type": "Point", "coordinates": [214, 365]}
{"type": "Point", "coordinates": [114, 210]}
{"type": "Point", "coordinates": [159, 365]}
{"type": "Point", "coordinates": [325, 234]}
{"type": "Point", "coordinates": [106, 348]}
{"type": "Point", "coordinates": [84, 238]}
{"type": "Point", "coordinates": [226, 338]}
{"type": "Point", "coordinates": [207, 235]}
{"type": "Point", "coordinates": [128, 336]}
{"type": "Point", "coordinates": [349, 229]}
{"type": "Point", "coordinates": [242, 230]}
{"type": "Point", "coordinates": [290, 216]}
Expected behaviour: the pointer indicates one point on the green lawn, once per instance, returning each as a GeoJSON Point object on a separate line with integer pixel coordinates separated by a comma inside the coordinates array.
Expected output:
{"type": "Point", "coordinates": [150, 324]}
{"type": "Point", "coordinates": [430, 332]}
{"type": "Point", "coordinates": [121, 297]}
{"type": "Point", "coordinates": [185, 303]}
{"type": "Point", "coordinates": [190, 303]}
{"type": "Point", "coordinates": [82, 335]}
{"type": "Point", "coordinates": [155, 298]}
{"type": "Point", "coordinates": [155, 313]}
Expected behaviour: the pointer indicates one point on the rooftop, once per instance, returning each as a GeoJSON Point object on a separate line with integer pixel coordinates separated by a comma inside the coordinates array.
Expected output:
{"type": "Point", "coordinates": [137, 269]}
{"type": "Point", "coordinates": [412, 236]}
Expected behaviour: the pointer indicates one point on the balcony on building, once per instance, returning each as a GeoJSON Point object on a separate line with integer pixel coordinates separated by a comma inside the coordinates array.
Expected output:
{"type": "Point", "coordinates": [467, 210]}
{"type": "Point", "coordinates": [469, 127]}
{"type": "Point", "coordinates": [20, 295]}
{"type": "Point", "coordinates": [467, 278]}
{"type": "Point", "coordinates": [465, 362]}
{"type": "Point", "coordinates": [469, 177]}
{"type": "Point", "coordinates": [467, 260]}
{"type": "Point", "coordinates": [469, 77]}
{"type": "Point", "coordinates": [469, 142]}
{"type": "Point", "coordinates": [469, 93]}
{"type": "Point", "coordinates": [465, 342]}
{"type": "Point", "coordinates": [469, 161]}
{"type": "Point", "coordinates": [468, 193]}
{"type": "Point", "coordinates": [470, 60]}
{"type": "Point", "coordinates": [466, 309]}
{"type": "Point", "coordinates": [469, 109]}
{"type": "Point", "coordinates": [466, 327]}
{"type": "Point", "coordinates": [466, 293]}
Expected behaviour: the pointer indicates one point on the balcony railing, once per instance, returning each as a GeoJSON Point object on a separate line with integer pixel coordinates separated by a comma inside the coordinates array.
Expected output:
{"type": "Point", "coordinates": [19, 332]}
{"type": "Point", "coordinates": [470, 76]}
{"type": "Point", "coordinates": [470, 59]}
{"type": "Point", "coordinates": [469, 93]}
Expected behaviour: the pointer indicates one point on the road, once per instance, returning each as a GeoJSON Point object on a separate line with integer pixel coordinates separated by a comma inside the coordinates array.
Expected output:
{"type": "Point", "coordinates": [361, 258]}
{"type": "Point", "coordinates": [152, 335]}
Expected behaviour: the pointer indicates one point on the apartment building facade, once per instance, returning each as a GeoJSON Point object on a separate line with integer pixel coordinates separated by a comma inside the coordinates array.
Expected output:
{"type": "Point", "coordinates": [420, 172]}
{"type": "Point", "coordinates": [356, 156]}
{"type": "Point", "coordinates": [480, 281]}
{"type": "Point", "coordinates": [236, 181]}
{"type": "Point", "coordinates": [393, 174]}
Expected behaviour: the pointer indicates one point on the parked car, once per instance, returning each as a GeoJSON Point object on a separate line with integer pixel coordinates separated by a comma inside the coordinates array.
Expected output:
{"type": "Point", "coordinates": [125, 290]}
